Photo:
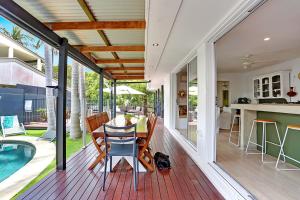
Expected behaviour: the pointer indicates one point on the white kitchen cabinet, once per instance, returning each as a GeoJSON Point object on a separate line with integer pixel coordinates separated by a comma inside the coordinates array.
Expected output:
{"type": "Point", "coordinates": [274, 85]}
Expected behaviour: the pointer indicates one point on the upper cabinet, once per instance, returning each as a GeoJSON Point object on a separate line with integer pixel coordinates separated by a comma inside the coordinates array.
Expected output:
{"type": "Point", "coordinates": [274, 85]}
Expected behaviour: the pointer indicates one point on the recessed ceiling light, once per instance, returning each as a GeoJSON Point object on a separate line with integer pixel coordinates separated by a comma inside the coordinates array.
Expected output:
{"type": "Point", "coordinates": [267, 39]}
{"type": "Point", "coordinates": [155, 44]}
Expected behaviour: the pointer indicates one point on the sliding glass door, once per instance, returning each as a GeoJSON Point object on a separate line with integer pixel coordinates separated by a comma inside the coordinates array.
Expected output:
{"type": "Point", "coordinates": [187, 91]}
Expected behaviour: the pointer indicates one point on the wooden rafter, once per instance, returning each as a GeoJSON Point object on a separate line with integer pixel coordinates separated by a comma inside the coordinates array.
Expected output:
{"type": "Point", "coordinates": [110, 69]}
{"type": "Point", "coordinates": [110, 48]}
{"type": "Point", "coordinates": [92, 18]}
{"type": "Point", "coordinates": [89, 55]}
{"type": "Point", "coordinates": [96, 25]}
{"type": "Point", "coordinates": [109, 61]}
{"type": "Point", "coordinates": [128, 74]}
{"type": "Point", "coordinates": [129, 77]}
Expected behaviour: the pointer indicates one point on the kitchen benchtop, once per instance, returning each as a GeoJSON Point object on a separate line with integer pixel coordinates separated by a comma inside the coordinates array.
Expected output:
{"type": "Point", "coordinates": [279, 108]}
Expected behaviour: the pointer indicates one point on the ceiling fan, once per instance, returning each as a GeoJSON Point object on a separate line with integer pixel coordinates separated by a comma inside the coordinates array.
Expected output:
{"type": "Point", "coordinates": [249, 61]}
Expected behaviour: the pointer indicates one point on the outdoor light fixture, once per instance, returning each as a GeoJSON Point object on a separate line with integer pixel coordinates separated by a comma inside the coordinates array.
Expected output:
{"type": "Point", "coordinates": [267, 39]}
{"type": "Point", "coordinates": [155, 44]}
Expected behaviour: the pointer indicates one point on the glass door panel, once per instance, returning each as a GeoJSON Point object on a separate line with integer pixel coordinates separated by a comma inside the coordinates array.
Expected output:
{"type": "Point", "coordinates": [192, 101]}
{"type": "Point", "coordinates": [276, 86]}
{"type": "Point", "coordinates": [266, 87]}
{"type": "Point", "coordinates": [256, 88]}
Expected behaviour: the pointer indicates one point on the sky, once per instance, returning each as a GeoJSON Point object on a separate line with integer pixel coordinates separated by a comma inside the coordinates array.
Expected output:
{"type": "Point", "coordinates": [9, 26]}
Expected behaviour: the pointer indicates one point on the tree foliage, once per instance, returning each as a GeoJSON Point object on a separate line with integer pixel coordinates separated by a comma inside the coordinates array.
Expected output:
{"type": "Point", "coordinates": [20, 36]}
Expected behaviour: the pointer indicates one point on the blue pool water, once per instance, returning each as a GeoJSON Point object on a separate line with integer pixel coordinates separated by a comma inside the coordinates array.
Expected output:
{"type": "Point", "coordinates": [13, 156]}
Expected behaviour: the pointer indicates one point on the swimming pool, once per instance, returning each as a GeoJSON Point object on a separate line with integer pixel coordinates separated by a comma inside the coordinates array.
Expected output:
{"type": "Point", "coordinates": [13, 156]}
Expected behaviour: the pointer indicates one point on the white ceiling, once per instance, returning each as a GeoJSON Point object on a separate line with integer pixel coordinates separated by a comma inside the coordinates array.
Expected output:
{"type": "Point", "coordinates": [178, 26]}
{"type": "Point", "coordinates": [276, 19]}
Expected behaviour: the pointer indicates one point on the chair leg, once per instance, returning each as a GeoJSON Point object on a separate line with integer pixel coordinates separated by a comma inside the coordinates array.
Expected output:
{"type": "Point", "coordinates": [134, 173]}
{"type": "Point", "coordinates": [105, 168]}
{"type": "Point", "coordinates": [110, 164]}
{"type": "Point", "coordinates": [281, 148]}
{"type": "Point", "coordinates": [137, 171]}
{"type": "Point", "coordinates": [250, 136]}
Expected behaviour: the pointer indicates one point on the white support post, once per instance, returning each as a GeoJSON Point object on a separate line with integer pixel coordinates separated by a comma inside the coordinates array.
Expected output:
{"type": "Point", "coordinates": [39, 64]}
{"type": "Point", "coordinates": [10, 52]}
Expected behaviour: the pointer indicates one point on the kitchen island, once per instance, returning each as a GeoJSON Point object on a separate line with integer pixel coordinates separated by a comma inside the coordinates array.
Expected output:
{"type": "Point", "coordinates": [249, 112]}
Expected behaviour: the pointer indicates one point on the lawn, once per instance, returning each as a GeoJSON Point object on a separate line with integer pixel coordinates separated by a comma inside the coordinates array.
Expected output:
{"type": "Point", "coordinates": [73, 146]}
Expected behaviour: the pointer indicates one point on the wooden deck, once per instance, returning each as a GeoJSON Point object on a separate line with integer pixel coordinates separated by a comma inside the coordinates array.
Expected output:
{"type": "Point", "coordinates": [184, 181]}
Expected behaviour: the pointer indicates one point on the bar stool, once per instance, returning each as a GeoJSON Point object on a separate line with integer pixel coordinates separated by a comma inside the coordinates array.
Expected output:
{"type": "Point", "coordinates": [236, 116]}
{"type": "Point", "coordinates": [292, 127]}
{"type": "Point", "coordinates": [264, 140]}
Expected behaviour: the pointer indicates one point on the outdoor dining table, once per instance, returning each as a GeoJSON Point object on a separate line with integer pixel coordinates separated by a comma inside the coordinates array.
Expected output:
{"type": "Point", "coordinates": [141, 132]}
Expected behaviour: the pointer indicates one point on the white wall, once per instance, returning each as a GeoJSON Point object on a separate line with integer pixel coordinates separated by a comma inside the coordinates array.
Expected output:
{"type": "Point", "coordinates": [167, 99]}
{"type": "Point", "coordinates": [14, 71]}
{"type": "Point", "coordinates": [241, 83]}
{"type": "Point", "coordinates": [237, 86]}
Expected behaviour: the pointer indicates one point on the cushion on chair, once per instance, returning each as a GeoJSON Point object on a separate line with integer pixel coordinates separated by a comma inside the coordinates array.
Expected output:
{"type": "Point", "coordinates": [8, 122]}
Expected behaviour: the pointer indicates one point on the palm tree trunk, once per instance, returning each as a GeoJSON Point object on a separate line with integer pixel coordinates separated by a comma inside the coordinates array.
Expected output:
{"type": "Point", "coordinates": [50, 99]}
{"type": "Point", "coordinates": [75, 131]}
{"type": "Point", "coordinates": [82, 103]}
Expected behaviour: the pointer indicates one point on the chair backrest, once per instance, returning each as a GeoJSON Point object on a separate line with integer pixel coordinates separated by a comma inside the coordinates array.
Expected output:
{"type": "Point", "coordinates": [124, 133]}
{"type": "Point", "coordinates": [9, 122]}
{"type": "Point", "coordinates": [96, 120]}
{"type": "Point", "coordinates": [152, 118]}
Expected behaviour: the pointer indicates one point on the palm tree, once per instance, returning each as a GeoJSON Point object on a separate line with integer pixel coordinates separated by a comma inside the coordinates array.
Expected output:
{"type": "Point", "coordinates": [50, 99]}
{"type": "Point", "coordinates": [82, 102]}
{"type": "Point", "coordinates": [75, 131]}
{"type": "Point", "coordinates": [18, 35]}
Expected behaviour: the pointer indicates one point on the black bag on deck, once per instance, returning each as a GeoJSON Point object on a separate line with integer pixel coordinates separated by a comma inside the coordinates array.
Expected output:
{"type": "Point", "coordinates": [162, 161]}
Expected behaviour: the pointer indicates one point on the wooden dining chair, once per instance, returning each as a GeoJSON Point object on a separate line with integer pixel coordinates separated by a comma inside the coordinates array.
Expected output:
{"type": "Point", "coordinates": [145, 155]}
{"type": "Point", "coordinates": [94, 122]}
{"type": "Point", "coordinates": [122, 143]}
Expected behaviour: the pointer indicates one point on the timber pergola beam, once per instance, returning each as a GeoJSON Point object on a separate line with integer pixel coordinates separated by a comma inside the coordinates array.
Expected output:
{"type": "Point", "coordinates": [126, 77]}
{"type": "Point", "coordinates": [110, 69]}
{"type": "Point", "coordinates": [111, 61]}
{"type": "Point", "coordinates": [86, 9]}
{"type": "Point", "coordinates": [128, 73]}
{"type": "Point", "coordinates": [86, 49]}
{"type": "Point", "coordinates": [96, 25]}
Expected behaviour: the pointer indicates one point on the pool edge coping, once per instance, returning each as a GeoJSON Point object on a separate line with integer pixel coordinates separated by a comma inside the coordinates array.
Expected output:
{"type": "Point", "coordinates": [45, 153]}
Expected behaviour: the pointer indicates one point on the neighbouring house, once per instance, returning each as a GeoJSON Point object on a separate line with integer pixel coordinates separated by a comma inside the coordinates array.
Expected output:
{"type": "Point", "coordinates": [22, 81]}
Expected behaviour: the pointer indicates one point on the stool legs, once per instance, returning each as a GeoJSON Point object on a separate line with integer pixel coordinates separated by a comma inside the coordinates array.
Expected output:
{"type": "Point", "coordinates": [231, 130]}
{"type": "Point", "coordinates": [280, 143]}
{"type": "Point", "coordinates": [264, 140]}
{"type": "Point", "coordinates": [281, 153]}
{"type": "Point", "coordinates": [264, 145]}
{"type": "Point", "coordinates": [249, 140]}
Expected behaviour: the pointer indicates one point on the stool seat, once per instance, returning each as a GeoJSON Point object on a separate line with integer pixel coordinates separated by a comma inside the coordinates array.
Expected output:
{"type": "Point", "coordinates": [264, 120]}
{"type": "Point", "coordinates": [294, 126]}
